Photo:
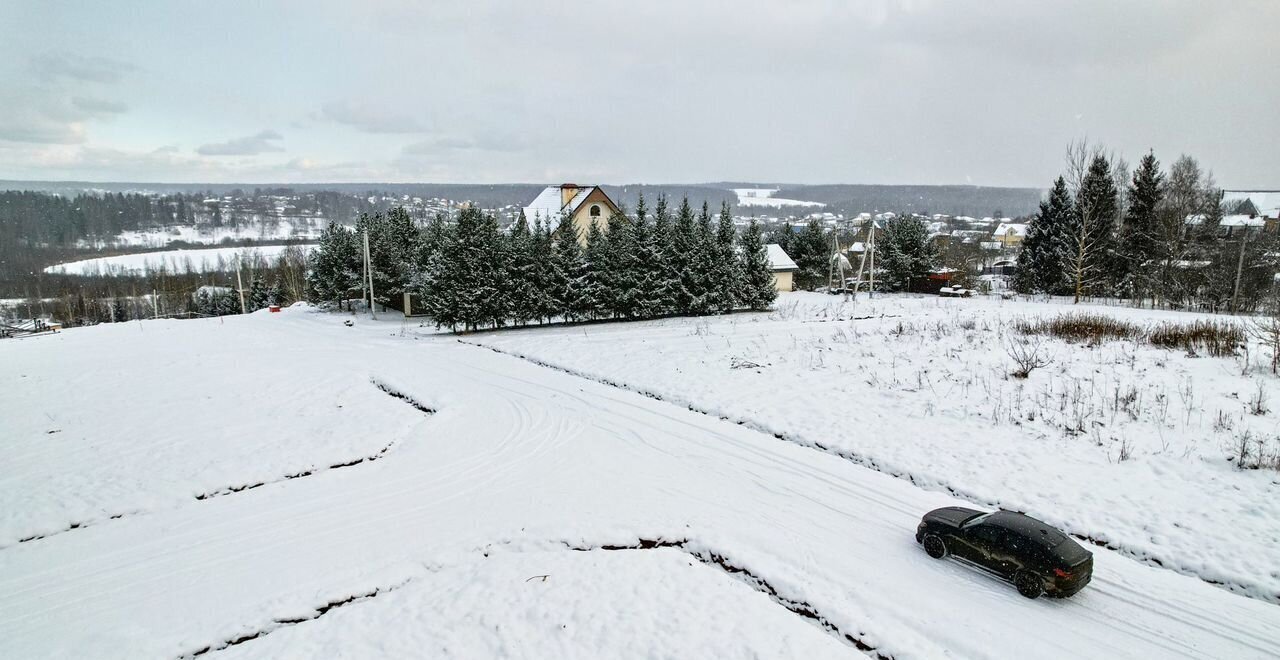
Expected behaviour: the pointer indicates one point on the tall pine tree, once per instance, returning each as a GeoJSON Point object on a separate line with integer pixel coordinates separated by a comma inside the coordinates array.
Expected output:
{"type": "Point", "coordinates": [725, 272]}
{"type": "Point", "coordinates": [521, 292]}
{"type": "Point", "coordinates": [1042, 262]}
{"type": "Point", "coordinates": [665, 276]}
{"type": "Point", "coordinates": [567, 271]}
{"type": "Point", "coordinates": [1139, 234]}
{"type": "Point", "coordinates": [905, 252]}
{"type": "Point", "coordinates": [757, 289]}
{"type": "Point", "coordinates": [592, 293]}
{"type": "Point", "coordinates": [647, 302]}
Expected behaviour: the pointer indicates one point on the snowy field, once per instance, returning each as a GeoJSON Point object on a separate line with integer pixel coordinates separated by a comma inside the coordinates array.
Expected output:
{"type": "Point", "coordinates": [206, 260]}
{"type": "Point", "coordinates": [1123, 443]}
{"type": "Point", "coordinates": [258, 229]}
{"type": "Point", "coordinates": [764, 197]}
{"type": "Point", "coordinates": [421, 497]}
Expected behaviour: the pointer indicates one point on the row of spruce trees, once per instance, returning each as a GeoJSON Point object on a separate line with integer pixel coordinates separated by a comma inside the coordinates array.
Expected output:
{"type": "Point", "coordinates": [1151, 236]}
{"type": "Point", "coordinates": [470, 274]}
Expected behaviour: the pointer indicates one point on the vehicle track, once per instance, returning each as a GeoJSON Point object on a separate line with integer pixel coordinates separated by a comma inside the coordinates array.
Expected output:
{"type": "Point", "coordinates": [871, 463]}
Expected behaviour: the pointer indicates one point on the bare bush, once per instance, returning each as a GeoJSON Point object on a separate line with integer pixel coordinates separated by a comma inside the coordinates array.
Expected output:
{"type": "Point", "coordinates": [1258, 403]}
{"type": "Point", "coordinates": [1267, 330]}
{"type": "Point", "coordinates": [1027, 356]}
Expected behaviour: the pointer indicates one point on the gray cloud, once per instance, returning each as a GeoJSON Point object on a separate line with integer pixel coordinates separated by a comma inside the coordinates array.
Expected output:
{"type": "Point", "coordinates": [251, 145]}
{"type": "Point", "coordinates": [880, 91]}
{"type": "Point", "coordinates": [94, 106]}
{"type": "Point", "coordinates": [370, 119]}
{"type": "Point", "coordinates": [80, 68]}
{"type": "Point", "coordinates": [444, 143]}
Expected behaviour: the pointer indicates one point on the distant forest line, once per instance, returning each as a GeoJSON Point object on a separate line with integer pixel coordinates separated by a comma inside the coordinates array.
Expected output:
{"type": "Point", "coordinates": [838, 198]}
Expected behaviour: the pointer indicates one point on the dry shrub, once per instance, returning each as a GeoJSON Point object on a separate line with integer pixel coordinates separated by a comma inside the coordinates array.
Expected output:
{"type": "Point", "coordinates": [1217, 338]}
{"type": "Point", "coordinates": [1079, 327]}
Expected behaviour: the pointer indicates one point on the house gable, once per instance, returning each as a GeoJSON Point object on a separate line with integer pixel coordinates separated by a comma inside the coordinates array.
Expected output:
{"type": "Point", "coordinates": [594, 201]}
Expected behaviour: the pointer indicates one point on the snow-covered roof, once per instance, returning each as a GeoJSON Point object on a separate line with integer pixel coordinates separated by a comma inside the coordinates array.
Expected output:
{"type": "Point", "coordinates": [1010, 229]}
{"type": "Point", "coordinates": [779, 261]}
{"type": "Point", "coordinates": [548, 207]}
{"type": "Point", "coordinates": [1242, 221]}
{"type": "Point", "coordinates": [1266, 201]}
{"type": "Point", "coordinates": [1230, 220]}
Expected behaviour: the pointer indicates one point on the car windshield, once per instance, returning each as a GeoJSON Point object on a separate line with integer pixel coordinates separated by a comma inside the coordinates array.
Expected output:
{"type": "Point", "coordinates": [976, 519]}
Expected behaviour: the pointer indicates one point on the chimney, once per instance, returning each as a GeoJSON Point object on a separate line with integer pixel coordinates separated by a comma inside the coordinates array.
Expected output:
{"type": "Point", "coordinates": [567, 192]}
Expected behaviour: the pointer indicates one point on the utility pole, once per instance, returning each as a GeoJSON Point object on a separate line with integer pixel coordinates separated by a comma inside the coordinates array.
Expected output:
{"type": "Point", "coordinates": [240, 285]}
{"type": "Point", "coordinates": [1235, 291]}
{"type": "Point", "coordinates": [368, 269]}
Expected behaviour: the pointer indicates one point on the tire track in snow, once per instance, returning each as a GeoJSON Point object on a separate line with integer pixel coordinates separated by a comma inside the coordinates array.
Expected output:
{"type": "Point", "coordinates": [703, 554]}
{"type": "Point", "coordinates": [231, 490]}
{"type": "Point", "coordinates": [285, 622]}
{"type": "Point", "coordinates": [709, 557]}
{"type": "Point", "coordinates": [869, 462]}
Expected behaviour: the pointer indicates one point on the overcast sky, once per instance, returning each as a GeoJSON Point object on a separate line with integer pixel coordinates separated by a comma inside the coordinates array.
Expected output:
{"type": "Point", "coordinates": [660, 92]}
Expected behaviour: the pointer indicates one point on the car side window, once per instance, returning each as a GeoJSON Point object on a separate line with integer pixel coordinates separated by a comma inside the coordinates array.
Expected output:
{"type": "Point", "coordinates": [987, 535]}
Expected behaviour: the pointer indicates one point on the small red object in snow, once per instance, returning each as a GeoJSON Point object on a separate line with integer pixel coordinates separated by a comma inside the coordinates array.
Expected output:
{"type": "Point", "coordinates": [274, 308]}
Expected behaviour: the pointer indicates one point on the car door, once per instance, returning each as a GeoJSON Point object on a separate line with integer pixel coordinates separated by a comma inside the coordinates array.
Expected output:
{"type": "Point", "coordinates": [1006, 555]}
{"type": "Point", "coordinates": [981, 541]}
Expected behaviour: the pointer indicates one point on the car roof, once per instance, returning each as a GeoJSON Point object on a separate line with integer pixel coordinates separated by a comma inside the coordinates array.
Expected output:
{"type": "Point", "coordinates": [1027, 526]}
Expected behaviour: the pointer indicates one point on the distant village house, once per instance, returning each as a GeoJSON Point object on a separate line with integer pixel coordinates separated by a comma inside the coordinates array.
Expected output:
{"type": "Point", "coordinates": [582, 205]}
{"type": "Point", "coordinates": [783, 267]}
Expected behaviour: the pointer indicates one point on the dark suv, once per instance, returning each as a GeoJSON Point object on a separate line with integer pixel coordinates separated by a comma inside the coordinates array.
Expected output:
{"type": "Point", "coordinates": [1034, 556]}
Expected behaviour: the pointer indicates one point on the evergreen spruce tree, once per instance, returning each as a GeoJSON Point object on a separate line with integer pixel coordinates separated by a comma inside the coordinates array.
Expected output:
{"type": "Point", "coordinates": [275, 294]}
{"type": "Point", "coordinates": [393, 240]}
{"type": "Point", "coordinates": [904, 252]}
{"type": "Point", "coordinates": [812, 255]}
{"type": "Point", "coordinates": [756, 287]}
{"type": "Point", "coordinates": [647, 301]}
{"type": "Point", "coordinates": [726, 271]}
{"type": "Point", "coordinates": [665, 275]}
{"type": "Point", "coordinates": [702, 286]}
{"type": "Point", "coordinates": [1139, 247]}
{"type": "Point", "coordinates": [256, 298]}
{"type": "Point", "coordinates": [473, 274]}
{"type": "Point", "coordinates": [568, 270]}
{"type": "Point", "coordinates": [591, 296]}
{"type": "Point", "coordinates": [434, 299]}
{"type": "Point", "coordinates": [1042, 262]}
{"type": "Point", "coordinates": [624, 268]}
{"type": "Point", "coordinates": [335, 267]}
{"type": "Point", "coordinates": [521, 273]}
{"type": "Point", "coordinates": [544, 260]}
{"type": "Point", "coordinates": [682, 249]}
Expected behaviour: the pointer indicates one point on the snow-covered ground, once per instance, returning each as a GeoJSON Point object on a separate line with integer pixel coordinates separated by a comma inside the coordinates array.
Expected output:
{"type": "Point", "coordinates": [206, 260]}
{"type": "Point", "coordinates": [919, 387]}
{"type": "Point", "coordinates": [265, 230]}
{"type": "Point", "coordinates": [764, 197]}
{"type": "Point", "coordinates": [496, 522]}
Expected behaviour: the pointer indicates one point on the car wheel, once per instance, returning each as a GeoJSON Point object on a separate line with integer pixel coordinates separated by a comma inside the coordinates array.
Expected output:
{"type": "Point", "coordinates": [1028, 584]}
{"type": "Point", "coordinates": [935, 547]}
